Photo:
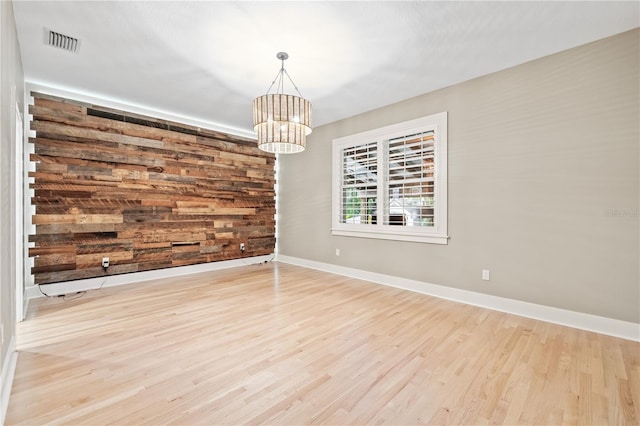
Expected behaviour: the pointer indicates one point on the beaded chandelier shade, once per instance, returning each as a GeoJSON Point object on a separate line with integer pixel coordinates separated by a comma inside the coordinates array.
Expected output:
{"type": "Point", "coordinates": [281, 121]}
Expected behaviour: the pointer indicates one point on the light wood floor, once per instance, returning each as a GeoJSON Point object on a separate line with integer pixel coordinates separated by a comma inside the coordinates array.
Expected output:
{"type": "Point", "coordinates": [281, 344]}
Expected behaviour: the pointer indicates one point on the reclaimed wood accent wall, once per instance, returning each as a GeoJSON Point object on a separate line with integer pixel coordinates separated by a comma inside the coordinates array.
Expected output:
{"type": "Point", "coordinates": [145, 192]}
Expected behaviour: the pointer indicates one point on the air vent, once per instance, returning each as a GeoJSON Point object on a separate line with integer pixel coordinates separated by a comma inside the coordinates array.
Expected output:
{"type": "Point", "coordinates": [61, 41]}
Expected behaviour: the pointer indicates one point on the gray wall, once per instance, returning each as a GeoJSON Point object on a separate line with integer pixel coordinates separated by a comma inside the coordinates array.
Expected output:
{"type": "Point", "coordinates": [11, 90]}
{"type": "Point", "coordinates": [543, 185]}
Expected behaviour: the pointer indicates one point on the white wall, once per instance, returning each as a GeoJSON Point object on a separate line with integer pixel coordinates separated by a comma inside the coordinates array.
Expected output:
{"type": "Point", "coordinates": [11, 92]}
{"type": "Point", "coordinates": [543, 185]}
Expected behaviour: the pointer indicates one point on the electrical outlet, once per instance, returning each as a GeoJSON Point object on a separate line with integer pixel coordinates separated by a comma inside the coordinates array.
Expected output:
{"type": "Point", "coordinates": [485, 274]}
{"type": "Point", "coordinates": [337, 252]}
{"type": "Point", "coordinates": [105, 262]}
{"type": "Point", "coordinates": [242, 247]}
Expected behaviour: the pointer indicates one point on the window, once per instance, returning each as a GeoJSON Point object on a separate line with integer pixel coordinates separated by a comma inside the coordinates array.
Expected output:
{"type": "Point", "coordinates": [391, 182]}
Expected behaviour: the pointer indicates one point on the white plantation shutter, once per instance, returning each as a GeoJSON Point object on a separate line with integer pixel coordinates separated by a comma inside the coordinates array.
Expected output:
{"type": "Point", "coordinates": [359, 183]}
{"type": "Point", "coordinates": [391, 182]}
{"type": "Point", "coordinates": [410, 178]}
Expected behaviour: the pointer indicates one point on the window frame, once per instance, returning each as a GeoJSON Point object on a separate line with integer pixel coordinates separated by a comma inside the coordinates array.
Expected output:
{"type": "Point", "coordinates": [436, 234]}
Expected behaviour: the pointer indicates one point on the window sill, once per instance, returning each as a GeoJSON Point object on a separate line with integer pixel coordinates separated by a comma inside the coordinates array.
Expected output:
{"type": "Point", "coordinates": [382, 235]}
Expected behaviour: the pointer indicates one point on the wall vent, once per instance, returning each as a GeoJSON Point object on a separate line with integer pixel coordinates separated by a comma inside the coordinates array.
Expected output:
{"type": "Point", "coordinates": [61, 41]}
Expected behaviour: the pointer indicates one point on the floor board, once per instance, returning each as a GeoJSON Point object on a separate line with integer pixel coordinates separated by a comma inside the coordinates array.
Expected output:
{"type": "Point", "coordinates": [281, 344]}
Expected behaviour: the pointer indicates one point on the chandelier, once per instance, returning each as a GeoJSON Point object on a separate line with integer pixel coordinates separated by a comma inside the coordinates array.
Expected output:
{"type": "Point", "coordinates": [282, 122]}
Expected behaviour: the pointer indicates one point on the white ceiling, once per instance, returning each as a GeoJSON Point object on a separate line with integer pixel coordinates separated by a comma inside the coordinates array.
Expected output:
{"type": "Point", "coordinates": [208, 60]}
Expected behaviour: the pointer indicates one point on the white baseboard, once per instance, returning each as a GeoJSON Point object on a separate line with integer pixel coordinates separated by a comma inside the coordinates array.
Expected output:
{"type": "Point", "coordinates": [583, 321]}
{"type": "Point", "coordinates": [6, 378]}
{"type": "Point", "coordinates": [31, 292]}
{"type": "Point", "coordinates": [25, 304]}
{"type": "Point", "coordinates": [67, 287]}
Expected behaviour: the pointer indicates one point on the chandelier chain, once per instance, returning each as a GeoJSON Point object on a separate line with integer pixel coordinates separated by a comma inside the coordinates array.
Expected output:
{"type": "Point", "coordinates": [280, 79]}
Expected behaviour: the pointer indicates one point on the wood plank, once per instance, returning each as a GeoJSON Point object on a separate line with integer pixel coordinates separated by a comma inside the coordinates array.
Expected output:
{"type": "Point", "coordinates": [242, 158]}
{"type": "Point", "coordinates": [95, 259]}
{"type": "Point", "coordinates": [215, 211]}
{"type": "Point", "coordinates": [52, 268]}
{"type": "Point", "coordinates": [79, 117]}
{"type": "Point", "coordinates": [59, 103]}
{"type": "Point", "coordinates": [59, 129]}
{"type": "Point", "coordinates": [55, 259]}
{"type": "Point", "coordinates": [47, 219]}
{"type": "Point", "coordinates": [58, 249]}
{"type": "Point", "coordinates": [79, 273]}
{"type": "Point", "coordinates": [71, 228]}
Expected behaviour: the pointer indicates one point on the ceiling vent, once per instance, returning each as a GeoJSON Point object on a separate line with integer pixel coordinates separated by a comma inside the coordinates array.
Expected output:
{"type": "Point", "coordinates": [61, 41]}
